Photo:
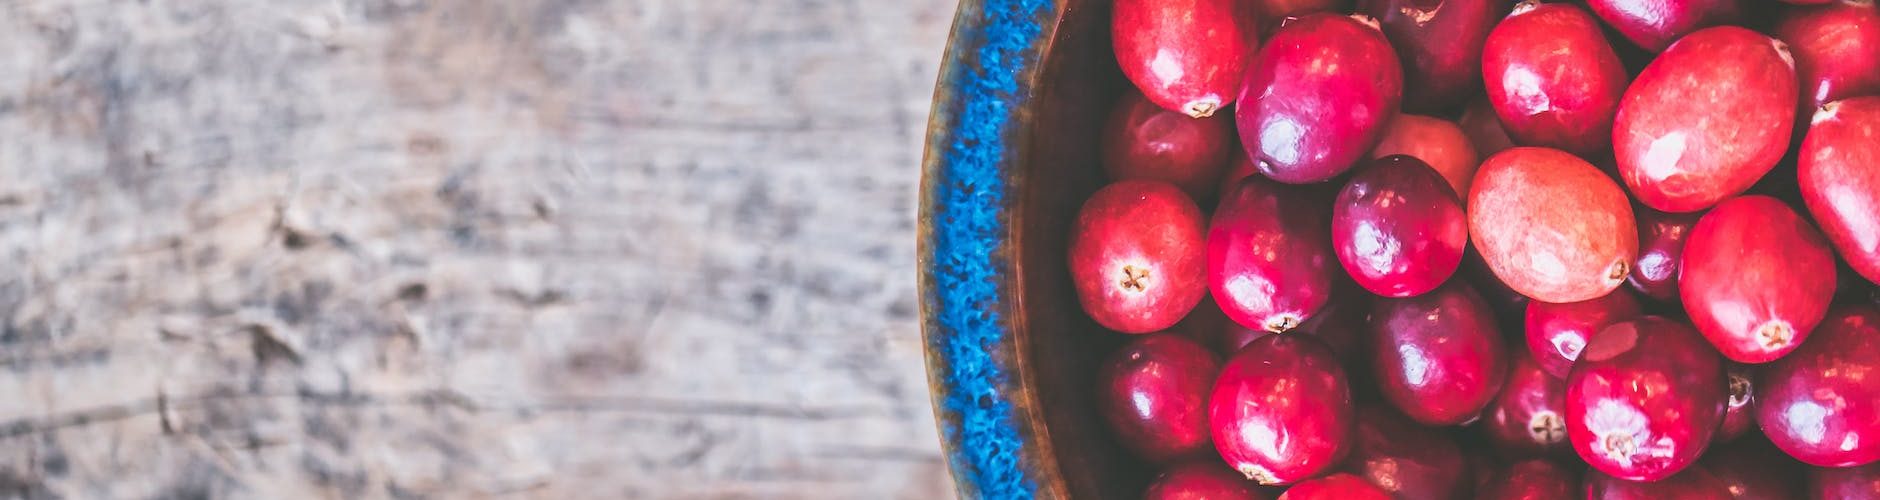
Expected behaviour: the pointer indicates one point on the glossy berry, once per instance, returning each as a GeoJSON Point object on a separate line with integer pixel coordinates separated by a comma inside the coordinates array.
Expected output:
{"type": "Point", "coordinates": [1693, 483]}
{"type": "Point", "coordinates": [1335, 487]}
{"type": "Point", "coordinates": [1553, 79]}
{"type": "Point", "coordinates": [1155, 396]}
{"type": "Point", "coordinates": [1302, 124]}
{"type": "Point", "coordinates": [1757, 277]}
{"type": "Point", "coordinates": [1660, 253]}
{"type": "Point", "coordinates": [1438, 357]}
{"type": "Point", "coordinates": [1144, 141]}
{"type": "Point", "coordinates": [1551, 225]}
{"type": "Point", "coordinates": [1281, 410]}
{"type": "Point", "coordinates": [1136, 256]}
{"type": "Point", "coordinates": [1556, 333]}
{"type": "Point", "coordinates": [1839, 176]}
{"type": "Point", "coordinates": [1654, 24]}
{"type": "Point", "coordinates": [1440, 45]}
{"type": "Point", "coordinates": [1397, 227]}
{"type": "Point", "coordinates": [1821, 403]}
{"type": "Point", "coordinates": [1202, 480]}
{"type": "Point", "coordinates": [1836, 49]}
{"type": "Point", "coordinates": [1438, 142]}
{"type": "Point", "coordinates": [1270, 264]}
{"type": "Point", "coordinates": [1739, 414]}
{"type": "Point", "coordinates": [1645, 399]}
{"type": "Point", "coordinates": [1185, 55]}
{"type": "Point", "coordinates": [1529, 417]}
{"type": "Point", "coordinates": [1407, 461]}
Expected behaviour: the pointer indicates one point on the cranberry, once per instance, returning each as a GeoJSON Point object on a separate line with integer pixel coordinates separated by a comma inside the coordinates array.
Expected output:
{"type": "Point", "coordinates": [1529, 417]}
{"type": "Point", "coordinates": [1303, 124]}
{"type": "Point", "coordinates": [1660, 250]}
{"type": "Point", "coordinates": [1398, 228]}
{"type": "Point", "coordinates": [1821, 403]}
{"type": "Point", "coordinates": [1839, 173]}
{"type": "Point", "coordinates": [1644, 399]}
{"type": "Point", "coordinates": [1282, 410]}
{"type": "Point", "coordinates": [1440, 44]}
{"type": "Point", "coordinates": [1556, 333]}
{"type": "Point", "coordinates": [1436, 141]}
{"type": "Point", "coordinates": [1533, 479]}
{"type": "Point", "coordinates": [1739, 414]}
{"type": "Point", "coordinates": [1484, 129]}
{"type": "Point", "coordinates": [1335, 487]}
{"type": "Point", "coordinates": [1551, 225]}
{"type": "Point", "coordinates": [1835, 483]}
{"type": "Point", "coordinates": [1144, 141]}
{"type": "Point", "coordinates": [1137, 256]}
{"type": "Point", "coordinates": [1756, 279]}
{"type": "Point", "coordinates": [1405, 460]}
{"type": "Point", "coordinates": [1836, 49]}
{"type": "Point", "coordinates": [1693, 483]}
{"type": "Point", "coordinates": [1202, 480]}
{"type": "Point", "coordinates": [1751, 469]}
{"type": "Point", "coordinates": [1654, 24]}
{"type": "Point", "coordinates": [1155, 395]}
{"type": "Point", "coordinates": [1438, 356]}
{"type": "Point", "coordinates": [1680, 156]}
{"type": "Point", "coordinates": [1270, 262]}
{"type": "Point", "coordinates": [1552, 78]}
{"type": "Point", "coordinates": [1185, 55]}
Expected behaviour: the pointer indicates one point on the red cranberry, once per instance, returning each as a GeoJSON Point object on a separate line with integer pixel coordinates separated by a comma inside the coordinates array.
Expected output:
{"type": "Point", "coordinates": [1436, 141]}
{"type": "Point", "coordinates": [1137, 256]}
{"type": "Point", "coordinates": [1438, 356]}
{"type": "Point", "coordinates": [1270, 262]}
{"type": "Point", "coordinates": [1335, 487]}
{"type": "Point", "coordinates": [1405, 460]}
{"type": "Point", "coordinates": [1155, 396]}
{"type": "Point", "coordinates": [1739, 414]}
{"type": "Point", "coordinates": [1751, 469]}
{"type": "Point", "coordinates": [1533, 479]}
{"type": "Point", "coordinates": [1440, 44]}
{"type": "Point", "coordinates": [1281, 410]}
{"type": "Point", "coordinates": [1839, 173]}
{"type": "Point", "coordinates": [1821, 403]}
{"type": "Point", "coordinates": [1302, 124]}
{"type": "Point", "coordinates": [1552, 78]}
{"type": "Point", "coordinates": [1756, 279]}
{"type": "Point", "coordinates": [1185, 55]}
{"type": "Point", "coordinates": [1484, 129]}
{"type": "Point", "coordinates": [1397, 227]}
{"type": "Point", "coordinates": [1660, 250]}
{"type": "Point", "coordinates": [1644, 399]}
{"type": "Point", "coordinates": [1202, 480]}
{"type": "Point", "coordinates": [1655, 24]}
{"type": "Point", "coordinates": [1529, 417]}
{"type": "Point", "coordinates": [1693, 483]}
{"type": "Point", "coordinates": [1144, 141]}
{"type": "Point", "coordinates": [1551, 225]}
{"type": "Point", "coordinates": [1680, 156]}
{"type": "Point", "coordinates": [1556, 333]}
{"type": "Point", "coordinates": [1836, 49]}
{"type": "Point", "coordinates": [1836, 483]}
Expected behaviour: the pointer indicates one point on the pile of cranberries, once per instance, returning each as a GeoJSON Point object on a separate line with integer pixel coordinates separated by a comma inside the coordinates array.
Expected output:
{"type": "Point", "coordinates": [1442, 249]}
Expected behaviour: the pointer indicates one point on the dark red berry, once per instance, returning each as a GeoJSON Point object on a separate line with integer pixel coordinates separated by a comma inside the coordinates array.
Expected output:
{"type": "Point", "coordinates": [1281, 410]}
{"type": "Point", "coordinates": [1556, 333]}
{"type": "Point", "coordinates": [1155, 396]}
{"type": "Point", "coordinates": [1144, 141]}
{"type": "Point", "coordinates": [1301, 123]}
{"type": "Point", "coordinates": [1185, 55]}
{"type": "Point", "coordinates": [1821, 403]}
{"type": "Point", "coordinates": [1397, 227]}
{"type": "Point", "coordinates": [1438, 356]}
{"type": "Point", "coordinates": [1270, 262]}
{"type": "Point", "coordinates": [1644, 399]}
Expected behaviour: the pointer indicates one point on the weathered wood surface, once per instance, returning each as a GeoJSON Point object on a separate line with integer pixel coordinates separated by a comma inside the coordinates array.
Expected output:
{"type": "Point", "coordinates": [464, 248]}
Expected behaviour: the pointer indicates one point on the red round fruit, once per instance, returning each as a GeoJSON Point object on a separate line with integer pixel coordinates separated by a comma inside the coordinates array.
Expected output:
{"type": "Point", "coordinates": [1660, 250]}
{"type": "Point", "coordinates": [1440, 45]}
{"type": "Point", "coordinates": [1281, 410]}
{"type": "Point", "coordinates": [1407, 461]}
{"type": "Point", "coordinates": [1739, 414]}
{"type": "Point", "coordinates": [1137, 256]}
{"type": "Point", "coordinates": [1534, 479]}
{"type": "Point", "coordinates": [1144, 141]}
{"type": "Point", "coordinates": [1484, 129]}
{"type": "Point", "coordinates": [1529, 417]}
{"type": "Point", "coordinates": [1756, 278]}
{"type": "Point", "coordinates": [1551, 225]}
{"type": "Point", "coordinates": [1751, 469]}
{"type": "Point", "coordinates": [1438, 356]}
{"type": "Point", "coordinates": [1553, 79]}
{"type": "Point", "coordinates": [1303, 123]}
{"type": "Point", "coordinates": [1693, 483]}
{"type": "Point", "coordinates": [1837, 483]}
{"type": "Point", "coordinates": [1821, 403]}
{"type": "Point", "coordinates": [1154, 395]}
{"type": "Point", "coordinates": [1185, 55]}
{"type": "Point", "coordinates": [1678, 155]}
{"type": "Point", "coordinates": [1654, 24]}
{"type": "Point", "coordinates": [1335, 487]}
{"type": "Point", "coordinates": [1839, 173]}
{"type": "Point", "coordinates": [1202, 480]}
{"type": "Point", "coordinates": [1556, 333]}
{"type": "Point", "coordinates": [1438, 142]}
{"type": "Point", "coordinates": [1836, 49]}
{"type": "Point", "coordinates": [1398, 228]}
{"type": "Point", "coordinates": [1270, 263]}
{"type": "Point", "coordinates": [1645, 399]}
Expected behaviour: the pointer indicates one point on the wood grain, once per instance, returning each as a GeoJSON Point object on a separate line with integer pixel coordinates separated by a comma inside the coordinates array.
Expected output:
{"type": "Point", "coordinates": [468, 248]}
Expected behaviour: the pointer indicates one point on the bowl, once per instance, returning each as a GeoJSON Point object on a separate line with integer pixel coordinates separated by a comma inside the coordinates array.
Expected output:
{"type": "Point", "coordinates": [1011, 154]}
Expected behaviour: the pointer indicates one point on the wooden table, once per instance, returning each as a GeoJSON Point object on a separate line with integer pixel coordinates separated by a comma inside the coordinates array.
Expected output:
{"type": "Point", "coordinates": [464, 248]}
